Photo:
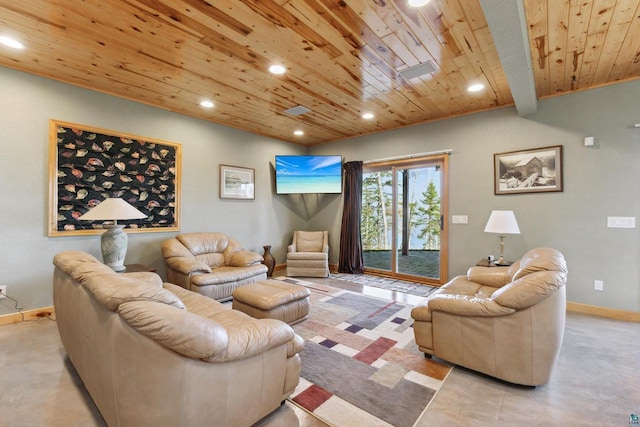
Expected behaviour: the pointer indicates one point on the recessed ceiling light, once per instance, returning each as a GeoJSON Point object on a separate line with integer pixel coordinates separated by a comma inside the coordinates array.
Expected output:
{"type": "Point", "coordinates": [8, 41]}
{"type": "Point", "coordinates": [206, 104]}
{"type": "Point", "coordinates": [368, 116]}
{"type": "Point", "coordinates": [475, 87]}
{"type": "Point", "coordinates": [277, 69]}
{"type": "Point", "coordinates": [417, 3]}
{"type": "Point", "coordinates": [298, 132]}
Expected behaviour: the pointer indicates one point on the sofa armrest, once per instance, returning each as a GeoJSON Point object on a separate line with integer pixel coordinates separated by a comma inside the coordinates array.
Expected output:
{"type": "Point", "coordinates": [295, 346]}
{"type": "Point", "coordinates": [145, 276]}
{"type": "Point", "coordinates": [291, 248]}
{"type": "Point", "coordinates": [187, 265]}
{"type": "Point", "coordinates": [489, 276]}
{"type": "Point", "coordinates": [530, 289]}
{"type": "Point", "coordinates": [245, 259]}
{"type": "Point", "coordinates": [466, 305]}
{"type": "Point", "coordinates": [254, 336]}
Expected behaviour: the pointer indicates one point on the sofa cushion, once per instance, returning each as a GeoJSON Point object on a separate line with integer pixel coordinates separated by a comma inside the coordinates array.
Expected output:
{"type": "Point", "coordinates": [80, 265]}
{"type": "Point", "coordinates": [111, 290]}
{"type": "Point", "coordinates": [204, 243]}
{"type": "Point", "coordinates": [232, 248]}
{"type": "Point", "coordinates": [249, 336]}
{"type": "Point", "coordinates": [207, 330]}
{"type": "Point", "coordinates": [529, 290]}
{"type": "Point", "coordinates": [541, 272]}
{"type": "Point", "coordinates": [309, 241]}
{"type": "Point", "coordinates": [183, 332]}
{"type": "Point", "coordinates": [196, 303]}
{"type": "Point", "coordinates": [223, 275]}
{"type": "Point", "coordinates": [465, 298]}
{"type": "Point", "coordinates": [464, 305]}
{"type": "Point", "coordinates": [245, 258]}
{"type": "Point", "coordinates": [212, 259]}
{"type": "Point", "coordinates": [305, 256]}
{"type": "Point", "coordinates": [462, 297]}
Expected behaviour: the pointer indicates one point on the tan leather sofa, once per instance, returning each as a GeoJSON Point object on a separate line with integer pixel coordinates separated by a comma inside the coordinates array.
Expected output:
{"type": "Point", "coordinates": [506, 322]}
{"type": "Point", "coordinates": [211, 264]}
{"type": "Point", "coordinates": [308, 254]}
{"type": "Point", "coordinates": [154, 355]}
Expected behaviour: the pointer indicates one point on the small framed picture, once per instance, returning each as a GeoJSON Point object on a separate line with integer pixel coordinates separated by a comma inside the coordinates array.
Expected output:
{"type": "Point", "coordinates": [237, 182]}
{"type": "Point", "coordinates": [537, 170]}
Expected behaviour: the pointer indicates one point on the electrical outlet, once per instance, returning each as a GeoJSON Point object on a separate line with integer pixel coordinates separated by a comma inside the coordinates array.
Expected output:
{"type": "Point", "coordinates": [3, 291]}
{"type": "Point", "coordinates": [598, 285]}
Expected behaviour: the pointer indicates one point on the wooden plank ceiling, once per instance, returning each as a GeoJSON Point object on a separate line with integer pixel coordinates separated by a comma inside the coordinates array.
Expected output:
{"type": "Point", "coordinates": [342, 58]}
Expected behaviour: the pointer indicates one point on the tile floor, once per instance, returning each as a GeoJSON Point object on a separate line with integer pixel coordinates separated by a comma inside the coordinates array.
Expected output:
{"type": "Point", "coordinates": [596, 382]}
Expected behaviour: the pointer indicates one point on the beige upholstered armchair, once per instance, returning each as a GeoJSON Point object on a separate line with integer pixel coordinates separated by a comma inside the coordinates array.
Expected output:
{"type": "Point", "coordinates": [211, 264]}
{"type": "Point", "coordinates": [308, 254]}
{"type": "Point", "coordinates": [506, 322]}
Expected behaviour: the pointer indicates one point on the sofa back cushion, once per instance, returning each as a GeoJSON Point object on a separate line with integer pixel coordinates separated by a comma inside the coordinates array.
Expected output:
{"type": "Point", "coordinates": [212, 259]}
{"type": "Point", "coordinates": [213, 249]}
{"type": "Point", "coordinates": [110, 288]}
{"type": "Point", "coordinates": [542, 271]}
{"type": "Point", "coordinates": [204, 243]}
{"type": "Point", "coordinates": [80, 265]}
{"type": "Point", "coordinates": [183, 332]}
{"type": "Point", "coordinates": [112, 291]}
{"type": "Point", "coordinates": [309, 241]}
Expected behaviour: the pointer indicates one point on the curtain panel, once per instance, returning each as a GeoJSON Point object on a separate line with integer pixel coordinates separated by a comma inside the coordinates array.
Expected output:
{"type": "Point", "coordinates": [350, 259]}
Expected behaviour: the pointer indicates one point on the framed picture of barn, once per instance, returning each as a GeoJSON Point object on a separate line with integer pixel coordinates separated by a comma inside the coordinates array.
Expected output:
{"type": "Point", "coordinates": [537, 170]}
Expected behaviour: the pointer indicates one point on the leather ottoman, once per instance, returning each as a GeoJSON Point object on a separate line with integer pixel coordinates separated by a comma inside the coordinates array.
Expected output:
{"type": "Point", "coordinates": [273, 299]}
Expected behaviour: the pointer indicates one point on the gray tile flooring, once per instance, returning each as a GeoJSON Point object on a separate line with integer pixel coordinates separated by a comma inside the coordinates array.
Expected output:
{"type": "Point", "coordinates": [596, 382]}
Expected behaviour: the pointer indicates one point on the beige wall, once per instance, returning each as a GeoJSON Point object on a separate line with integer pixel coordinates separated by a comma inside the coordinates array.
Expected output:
{"type": "Point", "coordinates": [28, 102]}
{"type": "Point", "coordinates": [599, 181]}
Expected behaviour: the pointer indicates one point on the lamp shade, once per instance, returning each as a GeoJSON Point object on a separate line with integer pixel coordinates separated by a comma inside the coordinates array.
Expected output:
{"type": "Point", "coordinates": [502, 222]}
{"type": "Point", "coordinates": [112, 209]}
{"type": "Point", "coordinates": [114, 240]}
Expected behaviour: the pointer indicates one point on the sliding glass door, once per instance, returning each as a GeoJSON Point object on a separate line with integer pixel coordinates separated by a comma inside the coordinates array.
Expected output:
{"type": "Point", "coordinates": [403, 206]}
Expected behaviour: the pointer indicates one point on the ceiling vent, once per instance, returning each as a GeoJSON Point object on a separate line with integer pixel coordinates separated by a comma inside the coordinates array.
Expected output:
{"type": "Point", "coordinates": [418, 70]}
{"type": "Point", "coordinates": [297, 111]}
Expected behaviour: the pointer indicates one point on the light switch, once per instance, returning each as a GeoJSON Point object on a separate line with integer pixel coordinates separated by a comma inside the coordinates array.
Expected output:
{"type": "Point", "coordinates": [621, 221]}
{"type": "Point", "coordinates": [459, 219]}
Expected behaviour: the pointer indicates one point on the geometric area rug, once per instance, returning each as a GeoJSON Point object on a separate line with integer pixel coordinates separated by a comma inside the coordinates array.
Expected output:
{"type": "Point", "coordinates": [360, 363]}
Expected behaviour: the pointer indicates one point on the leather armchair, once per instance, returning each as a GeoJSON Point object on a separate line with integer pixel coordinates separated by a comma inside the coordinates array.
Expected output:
{"type": "Point", "coordinates": [211, 264]}
{"type": "Point", "coordinates": [308, 254]}
{"type": "Point", "coordinates": [506, 322]}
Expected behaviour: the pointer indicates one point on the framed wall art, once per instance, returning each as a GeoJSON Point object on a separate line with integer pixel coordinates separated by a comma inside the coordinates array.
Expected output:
{"type": "Point", "coordinates": [237, 182]}
{"type": "Point", "coordinates": [536, 170]}
{"type": "Point", "coordinates": [88, 165]}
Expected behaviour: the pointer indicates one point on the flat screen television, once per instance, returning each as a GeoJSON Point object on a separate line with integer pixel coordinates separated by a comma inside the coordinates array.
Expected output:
{"type": "Point", "coordinates": [306, 174]}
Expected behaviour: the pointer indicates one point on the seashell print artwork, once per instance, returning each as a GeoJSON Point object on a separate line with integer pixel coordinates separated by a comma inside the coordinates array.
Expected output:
{"type": "Point", "coordinates": [92, 164]}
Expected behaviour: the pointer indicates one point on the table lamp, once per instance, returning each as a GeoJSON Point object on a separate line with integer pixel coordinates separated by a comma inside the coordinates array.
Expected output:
{"type": "Point", "coordinates": [114, 240]}
{"type": "Point", "coordinates": [502, 222]}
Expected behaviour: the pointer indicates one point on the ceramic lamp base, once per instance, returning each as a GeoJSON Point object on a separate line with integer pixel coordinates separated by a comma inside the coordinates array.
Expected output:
{"type": "Point", "coordinates": [114, 246]}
